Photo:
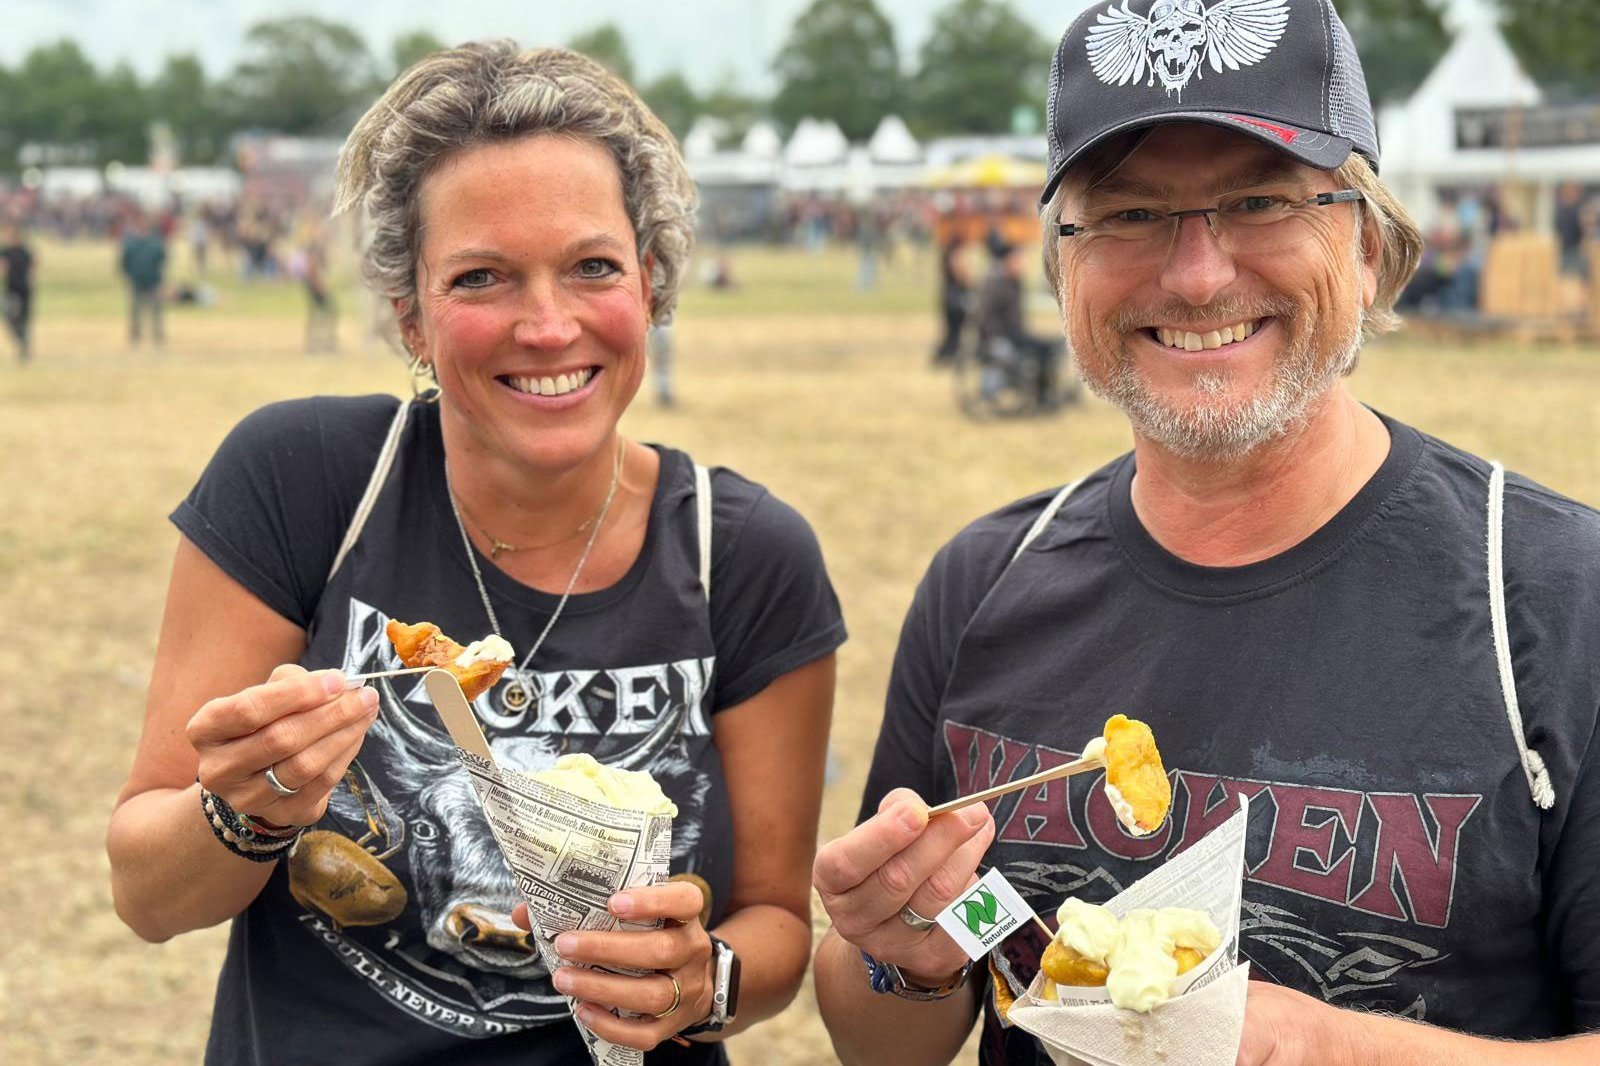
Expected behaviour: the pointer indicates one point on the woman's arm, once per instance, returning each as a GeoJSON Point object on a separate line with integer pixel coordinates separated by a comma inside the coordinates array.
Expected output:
{"type": "Point", "coordinates": [773, 747]}
{"type": "Point", "coordinates": [169, 874]}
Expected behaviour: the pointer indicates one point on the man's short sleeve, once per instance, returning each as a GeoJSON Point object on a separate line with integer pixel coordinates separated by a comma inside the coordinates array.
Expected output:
{"type": "Point", "coordinates": [773, 608]}
{"type": "Point", "coordinates": [1573, 927]}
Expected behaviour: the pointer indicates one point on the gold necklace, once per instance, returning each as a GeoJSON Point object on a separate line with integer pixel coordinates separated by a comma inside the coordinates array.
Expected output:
{"type": "Point", "coordinates": [521, 691]}
{"type": "Point", "coordinates": [498, 547]}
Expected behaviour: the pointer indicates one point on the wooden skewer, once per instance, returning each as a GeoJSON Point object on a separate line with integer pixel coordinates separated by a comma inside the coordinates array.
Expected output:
{"type": "Point", "coordinates": [1066, 769]}
{"type": "Point", "coordinates": [390, 673]}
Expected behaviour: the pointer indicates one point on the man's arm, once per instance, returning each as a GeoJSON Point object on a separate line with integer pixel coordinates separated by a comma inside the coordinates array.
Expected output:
{"type": "Point", "coordinates": [869, 1029]}
{"type": "Point", "coordinates": [1288, 1028]}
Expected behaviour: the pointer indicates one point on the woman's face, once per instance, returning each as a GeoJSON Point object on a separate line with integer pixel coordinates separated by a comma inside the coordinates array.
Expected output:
{"type": "Point", "coordinates": [532, 304]}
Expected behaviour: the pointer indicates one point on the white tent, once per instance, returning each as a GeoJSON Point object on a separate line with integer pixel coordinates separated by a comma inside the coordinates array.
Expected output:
{"type": "Point", "coordinates": [816, 143]}
{"type": "Point", "coordinates": [704, 135]}
{"type": "Point", "coordinates": [1422, 151]}
{"type": "Point", "coordinates": [761, 141]}
{"type": "Point", "coordinates": [893, 144]}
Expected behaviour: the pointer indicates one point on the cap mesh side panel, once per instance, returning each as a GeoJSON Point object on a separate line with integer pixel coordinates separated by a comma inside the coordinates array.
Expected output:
{"type": "Point", "coordinates": [1347, 89]}
{"type": "Point", "coordinates": [1052, 100]}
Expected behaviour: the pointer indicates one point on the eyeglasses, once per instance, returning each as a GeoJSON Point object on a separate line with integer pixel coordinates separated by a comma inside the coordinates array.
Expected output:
{"type": "Point", "coordinates": [1243, 223]}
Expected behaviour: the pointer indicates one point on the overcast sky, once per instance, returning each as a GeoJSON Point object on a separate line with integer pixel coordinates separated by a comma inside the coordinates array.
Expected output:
{"type": "Point", "coordinates": [706, 39]}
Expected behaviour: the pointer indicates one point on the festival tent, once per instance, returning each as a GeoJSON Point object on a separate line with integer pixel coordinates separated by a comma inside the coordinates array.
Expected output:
{"type": "Point", "coordinates": [1471, 123]}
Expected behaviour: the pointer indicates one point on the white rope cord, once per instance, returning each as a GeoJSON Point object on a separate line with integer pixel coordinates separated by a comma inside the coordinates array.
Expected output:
{"type": "Point", "coordinates": [380, 473]}
{"type": "Point", "coordinates": [702, 505]}
{"type": "Point", "coordinates": [1533, 767]}
{"type": "Point", "coordinates": [1045, 518]}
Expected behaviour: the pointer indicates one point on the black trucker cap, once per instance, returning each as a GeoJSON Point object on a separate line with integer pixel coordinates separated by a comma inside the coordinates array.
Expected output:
{"type": "Point", "coordinates": [1282, 71]}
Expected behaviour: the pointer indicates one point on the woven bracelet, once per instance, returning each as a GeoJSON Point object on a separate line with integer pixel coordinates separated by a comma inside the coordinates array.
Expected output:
{"type": "Point", "coordinates": [229, 827]}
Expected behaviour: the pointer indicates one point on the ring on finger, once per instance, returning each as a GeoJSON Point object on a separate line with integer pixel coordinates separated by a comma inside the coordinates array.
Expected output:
{"type": "Point", "coordinates": [677, 997]}
{"type": "Point", "coordinates": [915, 920]}
{"type": "Point", "coordinates": [278, 786]}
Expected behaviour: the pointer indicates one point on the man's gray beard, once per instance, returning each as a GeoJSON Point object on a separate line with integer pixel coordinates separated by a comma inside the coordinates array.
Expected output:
{"type": "Point", "coordinates": [1220, 429]}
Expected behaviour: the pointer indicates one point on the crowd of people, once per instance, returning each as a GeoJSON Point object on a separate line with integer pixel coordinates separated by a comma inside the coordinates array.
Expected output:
{"type": "Point", "coordinates": [261, 239]}
{"type": "Point", "coordinates": [1450, 279]}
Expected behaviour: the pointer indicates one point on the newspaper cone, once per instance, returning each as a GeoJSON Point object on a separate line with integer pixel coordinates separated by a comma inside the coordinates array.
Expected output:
{"type": "Point", "coordinates": [1201, 1024]}
{"type": "Point", "coordinates": [568, 854]}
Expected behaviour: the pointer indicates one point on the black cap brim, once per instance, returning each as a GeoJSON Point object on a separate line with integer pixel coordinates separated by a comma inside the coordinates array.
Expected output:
{"type": "Point", "coordinates": [1311, 147]}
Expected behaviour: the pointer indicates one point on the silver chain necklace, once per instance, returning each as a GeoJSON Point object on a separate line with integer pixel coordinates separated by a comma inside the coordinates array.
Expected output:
{"type": "Point", "coordinates": [520, 692]}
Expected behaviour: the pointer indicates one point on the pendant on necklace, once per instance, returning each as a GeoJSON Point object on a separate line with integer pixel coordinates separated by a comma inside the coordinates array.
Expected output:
{"type": "Point", "coordinates": [514, 698]}
{"type": "Point", "coordinates": [498, 546]}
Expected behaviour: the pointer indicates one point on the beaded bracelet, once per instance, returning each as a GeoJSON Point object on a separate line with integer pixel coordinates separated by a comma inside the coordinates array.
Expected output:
{"type": "Point", "coordinates": [243, 835]}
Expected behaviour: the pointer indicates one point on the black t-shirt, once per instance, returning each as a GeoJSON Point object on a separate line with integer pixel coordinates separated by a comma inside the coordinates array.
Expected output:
{"type": "Point", "coordinates": [1396, 860]}
{"type": "Point", "coordinates": [632, 674]}
{"type": "Point", "coordinates": [18, 262]}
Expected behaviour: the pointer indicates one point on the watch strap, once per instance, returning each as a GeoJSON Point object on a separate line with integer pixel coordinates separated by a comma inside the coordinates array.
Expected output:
{"type": "Point", "coordinates": [724, 990]}
{"type": "Point", "coordinates": [885, 977]}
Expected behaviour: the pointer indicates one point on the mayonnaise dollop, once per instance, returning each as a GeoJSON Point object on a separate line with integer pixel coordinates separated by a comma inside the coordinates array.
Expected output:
{"type": "Point", "coordinates": [1124, 811]}
{"type": "Point", "coordinates": [633, 790]}
{"type": "Point", "coordinates": [1142, 965]}
{"type": "Point", "coordinates": [1087, 928]}
{"type": "Point", "coordinates": [491, 649]}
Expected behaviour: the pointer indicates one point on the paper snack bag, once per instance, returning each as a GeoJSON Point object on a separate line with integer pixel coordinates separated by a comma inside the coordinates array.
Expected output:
{"type": "Point", "coordinates": [569, 854]}
{"type": "Point", "coordinates": [1201, 1024]}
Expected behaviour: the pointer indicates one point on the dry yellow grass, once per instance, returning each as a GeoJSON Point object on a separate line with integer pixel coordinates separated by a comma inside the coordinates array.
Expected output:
{"type": "Point", "coordinates": [838, 413]}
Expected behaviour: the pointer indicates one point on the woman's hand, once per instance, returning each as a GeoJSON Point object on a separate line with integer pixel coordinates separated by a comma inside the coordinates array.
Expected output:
{"type": "Point", "coordinates": [679, 951]}
{"type": "Point", "coordinates": [897, 859]}
{"type": "Point", "coordinates": [305, 727]}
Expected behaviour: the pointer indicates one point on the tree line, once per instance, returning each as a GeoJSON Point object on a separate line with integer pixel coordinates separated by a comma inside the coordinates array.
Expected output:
{"type": "Point", "coordinates": [981, 69]}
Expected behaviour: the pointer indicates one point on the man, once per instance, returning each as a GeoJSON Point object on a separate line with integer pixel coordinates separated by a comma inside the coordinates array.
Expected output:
{"type": "Point", "coordinates": [1292, 589]}
{"type": "Point", "coordinates": [17, 297]}
{"type": "Point", "coordinates": [1004, 341]}
{"type": "Point", "coordinates": [144, 264]}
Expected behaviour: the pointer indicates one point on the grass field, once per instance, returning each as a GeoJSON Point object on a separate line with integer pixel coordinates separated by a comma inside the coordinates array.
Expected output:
{"type": "Point", "coordinates": [795, 379]}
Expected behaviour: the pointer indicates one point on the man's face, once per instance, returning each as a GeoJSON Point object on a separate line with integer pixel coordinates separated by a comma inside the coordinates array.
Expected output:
{"type": "Point", "coordinates": [1134, 319]}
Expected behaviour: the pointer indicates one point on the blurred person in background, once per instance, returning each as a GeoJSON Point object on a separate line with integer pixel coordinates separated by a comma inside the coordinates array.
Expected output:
{"type": "Point", "coordinates": [20, 265]}
{"type": "Point", "coordinates": [1388, 643]}
{"type": "Point", "coordinates": [1005, 344]}
{"type": "Point", "coordinates": [871, 234]}
{"type": "Point", "coordinates": [198, 231]}
{"type": "Point", "coordinates": [309, 264]}
{"type": "Point", "coordinates": [530, 220]}
{"type": "Point", "coordinates": [144, 264]}
{"type": "Point", "coordinates": [955, 295]}
{"type": "Point", "coordinates": [661, 363]}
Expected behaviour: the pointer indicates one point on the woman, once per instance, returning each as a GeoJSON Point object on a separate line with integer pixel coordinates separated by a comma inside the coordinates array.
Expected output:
{"type": "Point", "coordinates": [531, 220]}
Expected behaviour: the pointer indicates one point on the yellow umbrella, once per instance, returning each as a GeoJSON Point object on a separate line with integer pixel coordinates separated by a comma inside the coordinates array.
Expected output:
{"type": "Point", "coordinates": [992, 171]}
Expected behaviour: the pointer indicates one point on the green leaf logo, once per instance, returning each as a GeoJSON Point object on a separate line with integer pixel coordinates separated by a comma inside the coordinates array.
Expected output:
{"type": "Point", "coordinates": [979, 909]}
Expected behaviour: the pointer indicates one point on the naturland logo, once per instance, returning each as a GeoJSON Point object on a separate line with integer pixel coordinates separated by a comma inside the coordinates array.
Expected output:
{"type": "Point", "coordinates": [984, 917]}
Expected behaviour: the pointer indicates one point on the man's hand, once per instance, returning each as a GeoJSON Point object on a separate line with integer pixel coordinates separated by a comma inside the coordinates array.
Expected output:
{"type": "Point", "coordinates": [1278, 1027]}
{"type": "Point", "coordinates": [899, 858]}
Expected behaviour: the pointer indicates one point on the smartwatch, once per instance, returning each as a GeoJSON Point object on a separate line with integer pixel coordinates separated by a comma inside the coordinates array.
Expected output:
{"type": "Point", "coordinates": [724, 990]}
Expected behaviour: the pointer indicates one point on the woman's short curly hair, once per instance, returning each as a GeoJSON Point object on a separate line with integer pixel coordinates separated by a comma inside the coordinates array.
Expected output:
{"type": "Point", "coordinates": [493, 91]}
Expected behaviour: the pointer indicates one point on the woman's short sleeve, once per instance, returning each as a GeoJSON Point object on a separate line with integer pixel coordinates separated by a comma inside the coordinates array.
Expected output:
{"type": "Point", "coordinates": [773, 608]}
{"type": "Point", "coordinates": [273, 503]}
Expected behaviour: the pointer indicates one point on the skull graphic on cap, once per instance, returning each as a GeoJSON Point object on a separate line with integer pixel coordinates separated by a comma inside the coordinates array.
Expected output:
{"type": "Point", "coordinates": [1177, 33]}
{"type": "Point", "coordinates": [1167, 45]}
